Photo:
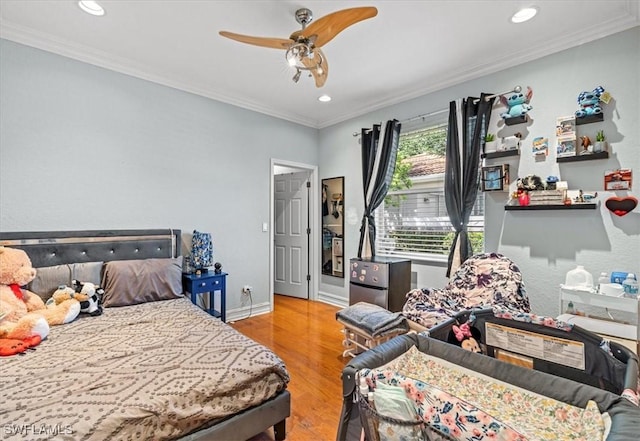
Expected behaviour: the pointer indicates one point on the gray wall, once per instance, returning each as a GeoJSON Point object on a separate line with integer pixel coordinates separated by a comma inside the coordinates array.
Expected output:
{"type": "Point", "coordinates": [86, 148]}
{"type": "Point", "coordinates": [545, 244]}
{"type": "Point", "coordinates": [83, 147]}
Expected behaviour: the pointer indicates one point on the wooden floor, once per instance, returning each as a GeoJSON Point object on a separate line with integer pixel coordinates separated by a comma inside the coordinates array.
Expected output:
{"type": "Point", "coordinates": [307, 337]}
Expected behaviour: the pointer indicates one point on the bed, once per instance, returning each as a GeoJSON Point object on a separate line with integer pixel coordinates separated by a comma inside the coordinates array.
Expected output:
{"type": "Point", "coordinates": [615, 417]}
{"type": "Point", "coordinates": [154, 367]}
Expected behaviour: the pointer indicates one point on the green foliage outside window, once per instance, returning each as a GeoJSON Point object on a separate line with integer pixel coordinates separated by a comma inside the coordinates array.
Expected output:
{"type": "Point", "coordinates": [475, 237]}
{"type": "Point", "coordinates": [432, 140]}
{"type": "Point", "coordinates": [424, 239]}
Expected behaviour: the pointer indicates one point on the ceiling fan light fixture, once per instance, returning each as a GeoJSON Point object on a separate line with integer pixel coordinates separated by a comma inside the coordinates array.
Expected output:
{"type": "Point", "coordinates": [524, 14]}
{"type": "Point", "coordinates": [324, 98]}
{"type": "Point", "coordinates": [91, 7]}
{"type": "Point", "coordinates": [302, 56]}
{"type": "Point", "coordinates": [303, 47]}
{"type": "Point", "coordinates": [296, 77]}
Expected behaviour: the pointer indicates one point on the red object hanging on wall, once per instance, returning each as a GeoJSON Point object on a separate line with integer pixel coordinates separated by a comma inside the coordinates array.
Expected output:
{"type": "Point", "coordinates": [621, 206]}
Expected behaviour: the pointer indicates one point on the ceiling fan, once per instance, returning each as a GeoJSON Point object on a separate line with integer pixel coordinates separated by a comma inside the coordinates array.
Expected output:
{"type": "Point", "coordinates": [303, 47]}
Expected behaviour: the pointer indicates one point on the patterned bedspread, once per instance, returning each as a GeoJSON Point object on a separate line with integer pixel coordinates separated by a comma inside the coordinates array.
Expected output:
{"type": "Point", "coordinates": [153, 371]}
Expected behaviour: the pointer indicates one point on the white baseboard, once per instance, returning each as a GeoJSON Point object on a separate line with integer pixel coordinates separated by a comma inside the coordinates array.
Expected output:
{"type": "Point", "coordinates": [333, 299]}
{"type": "Point", "coordinates": [233, 315]}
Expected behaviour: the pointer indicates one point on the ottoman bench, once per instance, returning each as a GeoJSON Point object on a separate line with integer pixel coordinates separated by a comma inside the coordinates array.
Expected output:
{"type": "Point", "coordinates": [367, 325]}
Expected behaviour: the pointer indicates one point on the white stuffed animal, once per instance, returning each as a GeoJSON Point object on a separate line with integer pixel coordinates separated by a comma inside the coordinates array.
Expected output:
{"type": "Point", "coordinates": [94, 295]}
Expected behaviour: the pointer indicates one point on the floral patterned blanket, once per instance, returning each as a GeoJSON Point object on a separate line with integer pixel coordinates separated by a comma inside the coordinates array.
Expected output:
{"type": "Point", "coordinates": [484, 280]}
{"type": "Point", "coordinates": [463, 405]}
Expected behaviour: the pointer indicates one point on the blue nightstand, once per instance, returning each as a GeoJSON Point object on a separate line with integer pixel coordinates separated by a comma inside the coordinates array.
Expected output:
{"type": "Point", "coordinates": [207, 283]}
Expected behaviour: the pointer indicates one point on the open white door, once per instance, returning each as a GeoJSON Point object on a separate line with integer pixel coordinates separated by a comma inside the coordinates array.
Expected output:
{"type": "Point", "coordinates": [291, 234]}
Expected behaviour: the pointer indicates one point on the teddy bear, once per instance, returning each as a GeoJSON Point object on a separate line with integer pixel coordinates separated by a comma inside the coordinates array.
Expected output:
{"type": "Point", "coordinates": [23, 310]}
{"type": "Point", "coordinates": [17, 338]}
{"type": "Point", "coordinates": [86, 293]}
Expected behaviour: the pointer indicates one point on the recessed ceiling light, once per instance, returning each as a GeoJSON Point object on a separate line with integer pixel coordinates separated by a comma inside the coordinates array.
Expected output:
{"type": "Point", "coordinates": [91, 7]}
{"type": "Point", "coordinates": [324, 98]}
{"type": "Point", "coordinates": [524, 14]}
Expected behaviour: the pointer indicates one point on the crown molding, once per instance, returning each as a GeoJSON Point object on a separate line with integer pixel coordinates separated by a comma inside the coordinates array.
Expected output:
{"type": "Point", "coordinates": [40, 40]}
{"type": "Point", "coordinates": [568, 40]}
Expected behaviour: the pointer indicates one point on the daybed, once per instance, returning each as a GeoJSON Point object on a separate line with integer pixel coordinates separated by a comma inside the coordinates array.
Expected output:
{"type": "Point", "coordinates": [569, 397]}
{"type": "Point", "coordinates": [483, 280]}
{"type": "Point", "coordinates": [157, 370]}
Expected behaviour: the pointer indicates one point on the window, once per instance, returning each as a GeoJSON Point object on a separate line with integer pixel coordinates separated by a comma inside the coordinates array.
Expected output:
{"type": "Point", "coordinates": [413, 221]}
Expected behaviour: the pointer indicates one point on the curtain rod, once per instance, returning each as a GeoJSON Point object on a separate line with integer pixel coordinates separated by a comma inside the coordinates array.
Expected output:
{"type": "Point", "coordinates": [516, 89]}
{"type": "Point", "coordinates": [413, 118]}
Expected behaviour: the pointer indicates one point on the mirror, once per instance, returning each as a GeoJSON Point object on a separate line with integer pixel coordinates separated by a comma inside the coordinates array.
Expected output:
{"type": "Point", "coordinates": [332, 226]}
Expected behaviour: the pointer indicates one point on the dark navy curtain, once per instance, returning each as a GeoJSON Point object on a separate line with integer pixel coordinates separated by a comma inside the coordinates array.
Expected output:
{"type": "Point", "coordinates": [468, 122]}
{"type": "Point", "coordinates": [378, 166]}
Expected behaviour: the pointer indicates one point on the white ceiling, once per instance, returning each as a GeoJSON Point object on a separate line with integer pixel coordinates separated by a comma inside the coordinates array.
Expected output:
{"type": "Point", "coordinates": [411, 48]}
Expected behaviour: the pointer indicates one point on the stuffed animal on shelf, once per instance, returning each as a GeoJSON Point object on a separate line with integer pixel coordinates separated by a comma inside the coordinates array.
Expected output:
{"type": "Point", "coordinates": [517, 103]}
{"type": "Point", "coordinates": [24, 310]}
{"type": "Point", "coordinates": [530, 183]}
{"type": "Point", "coordinates": [552, 182]}
{"type": "Point", "coordinates": [589, 102]}
{"type": "Point", "coordinates": [463, 336]}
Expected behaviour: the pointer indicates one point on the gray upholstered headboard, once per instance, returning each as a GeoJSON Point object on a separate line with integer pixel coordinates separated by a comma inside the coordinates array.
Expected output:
{"type": "Point", "coordinates": [49, 248]}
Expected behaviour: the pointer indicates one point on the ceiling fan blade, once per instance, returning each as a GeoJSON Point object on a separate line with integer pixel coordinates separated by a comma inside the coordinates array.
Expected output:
{"type": "Point", "coordinates": [320, 76]}
{"type": "Point", "coordinates": [327, 27]}
{"type": "Point", "coordinates": [275, 43]}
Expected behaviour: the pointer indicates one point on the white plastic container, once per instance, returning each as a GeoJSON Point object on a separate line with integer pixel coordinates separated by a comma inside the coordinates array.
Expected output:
{"type": "Point", "coordinates": [579, 278]}
{"type": "Point", "coordinates": [602, 280]}
{"type": "Point", "coordinates": [611, 289]}
{"type": "Point", "coordinates": [630, 286]}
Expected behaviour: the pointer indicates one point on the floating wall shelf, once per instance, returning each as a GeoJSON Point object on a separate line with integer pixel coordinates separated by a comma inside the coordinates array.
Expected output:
{"type": "Point", "coordinates": [590, 119]}
{"type": "Point", "coordinates": [589, 157]}
{"type": "Point", "coordinates": [581, 206]}
{"type": "Point", "coordinates": [502, 154]}
{"type": "Point", "coordinates": [516, 120]}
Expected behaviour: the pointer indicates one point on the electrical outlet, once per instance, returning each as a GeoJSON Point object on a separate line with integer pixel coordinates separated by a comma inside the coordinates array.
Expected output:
{"type": "Point", "coordinates": [246, 289]}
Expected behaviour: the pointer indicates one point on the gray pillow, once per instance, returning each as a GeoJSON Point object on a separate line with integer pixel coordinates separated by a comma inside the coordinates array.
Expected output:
{"type": "Point", "coordinates": [48, 278]}
{"type": "Point", "coordinates": [88, 272]}
{"type": "Point", "coordinates": [129, 282]}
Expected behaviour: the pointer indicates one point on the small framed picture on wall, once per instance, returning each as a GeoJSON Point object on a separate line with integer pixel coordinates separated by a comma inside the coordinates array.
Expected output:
{"type": "Point", "coordinates": [619, 179]}
{"type": "Point", "coordinates": [495, 178]}
{"type": "Point", "coordinates": [566, 146]}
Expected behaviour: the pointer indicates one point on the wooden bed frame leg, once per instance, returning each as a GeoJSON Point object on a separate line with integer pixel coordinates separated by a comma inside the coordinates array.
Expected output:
{"type": "Point", "coordinates": [280, 430]}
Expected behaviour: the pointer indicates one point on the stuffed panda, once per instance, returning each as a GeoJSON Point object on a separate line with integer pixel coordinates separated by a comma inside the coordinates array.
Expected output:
{"type": "Point", "coordinates": [93, 293]}
{"type": "Point", "coordinates": [531, 183]}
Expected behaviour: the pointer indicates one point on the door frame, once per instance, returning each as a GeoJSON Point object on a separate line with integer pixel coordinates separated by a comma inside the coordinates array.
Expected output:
{"type": "Point", "coordinates": [314, 222]}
